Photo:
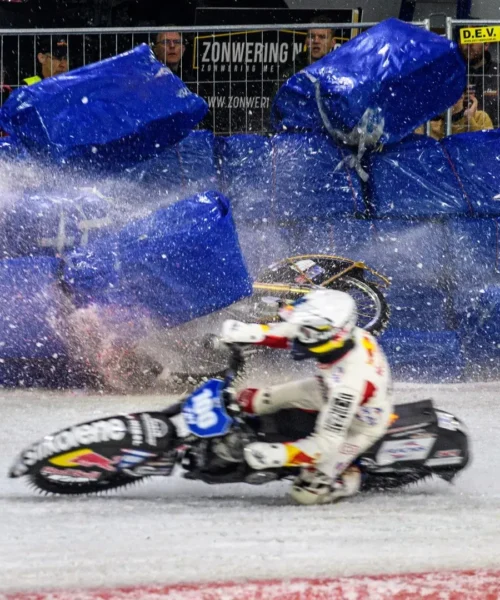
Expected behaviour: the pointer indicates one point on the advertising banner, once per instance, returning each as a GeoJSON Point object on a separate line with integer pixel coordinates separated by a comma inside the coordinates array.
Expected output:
{"type": "Point", "coordinates": [239, 72]}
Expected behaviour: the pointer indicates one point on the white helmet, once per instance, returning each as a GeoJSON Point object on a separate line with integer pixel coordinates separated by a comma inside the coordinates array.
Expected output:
{"type": "Point", "coordinates": [325, 320]}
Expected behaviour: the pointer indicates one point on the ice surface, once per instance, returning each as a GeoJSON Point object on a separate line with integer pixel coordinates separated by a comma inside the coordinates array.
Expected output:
{"type": "Point", "coordinates": [171, 530]}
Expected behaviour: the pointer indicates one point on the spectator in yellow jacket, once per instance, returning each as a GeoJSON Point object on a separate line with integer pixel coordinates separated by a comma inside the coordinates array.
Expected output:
{"type": "Point", "coordinates": [465, 116]}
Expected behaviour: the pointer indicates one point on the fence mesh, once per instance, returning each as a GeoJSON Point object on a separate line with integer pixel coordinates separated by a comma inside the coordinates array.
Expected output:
{"type": "Point", "coordinates": [238, 70]}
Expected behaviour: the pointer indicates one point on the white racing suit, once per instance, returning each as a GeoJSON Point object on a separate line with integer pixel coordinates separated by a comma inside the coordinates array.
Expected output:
{"type": "Point", "coordinates": [351, 397]}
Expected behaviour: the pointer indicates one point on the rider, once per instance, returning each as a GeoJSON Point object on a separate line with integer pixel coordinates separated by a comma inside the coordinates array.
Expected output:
{"type": "Point", "coordinates": [349, 391]}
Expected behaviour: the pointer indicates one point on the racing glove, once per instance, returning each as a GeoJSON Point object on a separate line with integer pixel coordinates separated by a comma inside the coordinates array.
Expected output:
{"type": "Point", "coordinates": [275, 335]}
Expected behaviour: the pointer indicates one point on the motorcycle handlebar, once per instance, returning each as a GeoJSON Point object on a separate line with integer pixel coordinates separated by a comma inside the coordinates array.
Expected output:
{"type": "Point", "coordinates": [237, 358]}
{"type": "Point", "coordinates": [236, 354]}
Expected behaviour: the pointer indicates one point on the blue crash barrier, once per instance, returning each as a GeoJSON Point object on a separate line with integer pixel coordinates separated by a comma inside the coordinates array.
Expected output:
{"type": "Point", "coordinates": [420, 307]}
{"type": "Point", "coordinates": [191, 163]}
{"type": "Point", "coordinates": [181, 262]}
{"type": "Point", "coordinates": [474, 255]}
{"type": "Point", "coordinates": [427, 218]}
{"type": "Point", "coordinates": [112, 113]}
{"type": "Point", "coordinates": [32, 350]}
{"type": "Point", "coordinates": [311, 180]}
{"type": "Point", "coordinates": [51, 224]}
{"type": "Point", "coordinates": [475, 157]}
{"type": "Point", "coordinates": [386, 78]}
{"type": "Point", "coordinates": [424, 355]}
{"type": "Point", "coordinates": [289, 177]}
{"type": "Point", "coordinates": [410, 251]}
{"type": "Point", "coordinates": [414, 179]}
{"type": "Point", "coordinates": [247, 175]}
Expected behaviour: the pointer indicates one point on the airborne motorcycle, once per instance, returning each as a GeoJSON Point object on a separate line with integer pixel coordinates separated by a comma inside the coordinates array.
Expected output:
{"type": "Point", "coordinates": [113, 452]}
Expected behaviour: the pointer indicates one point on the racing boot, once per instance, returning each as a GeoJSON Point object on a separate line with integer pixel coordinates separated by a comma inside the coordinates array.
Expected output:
{"type": "Point", "coordinates": [314, 487]}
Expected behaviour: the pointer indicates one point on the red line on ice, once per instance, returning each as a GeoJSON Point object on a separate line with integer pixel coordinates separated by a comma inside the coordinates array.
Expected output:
{"type": "Point", "coordinates": [446, 585]}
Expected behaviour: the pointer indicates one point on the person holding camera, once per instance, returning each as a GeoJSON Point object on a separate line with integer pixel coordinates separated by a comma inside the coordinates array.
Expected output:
{"type": "Point", "coordinates": [484, 74]}
{"type": "Point", "coordinates": [465, 116]}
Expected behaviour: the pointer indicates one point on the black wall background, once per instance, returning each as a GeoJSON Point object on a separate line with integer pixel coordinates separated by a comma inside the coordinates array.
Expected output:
{"type": "Point", "coordinates": [113, 13]}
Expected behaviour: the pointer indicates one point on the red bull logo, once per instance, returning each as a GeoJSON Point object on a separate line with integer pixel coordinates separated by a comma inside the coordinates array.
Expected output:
{"type": "Point", "coordinates": [369, 346]}
{"type": "Point", "coordinates": [296, 457]}
{"type": "Point", "coordinates": [84, 458]}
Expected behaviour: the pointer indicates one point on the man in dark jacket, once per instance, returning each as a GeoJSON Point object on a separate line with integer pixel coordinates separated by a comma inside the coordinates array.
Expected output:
{"type": "Point", "coordinates": [169, 48]}
{"type": "Point", "coordinates": [52, 57]}
{"type": "Point", "coordinates": [484, 75]}
{"type": "Point", "coordinates": [318, 43]}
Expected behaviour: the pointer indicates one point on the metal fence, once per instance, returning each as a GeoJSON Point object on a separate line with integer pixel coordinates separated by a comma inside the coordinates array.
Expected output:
{"type": "Point", "coordinates": [479, 107]}
{"type": "Point", "coordinates": [238, 70]}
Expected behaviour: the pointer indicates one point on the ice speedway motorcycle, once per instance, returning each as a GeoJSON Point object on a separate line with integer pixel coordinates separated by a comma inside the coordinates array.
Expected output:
{"type": "Point", "coordinates": [112, 452]}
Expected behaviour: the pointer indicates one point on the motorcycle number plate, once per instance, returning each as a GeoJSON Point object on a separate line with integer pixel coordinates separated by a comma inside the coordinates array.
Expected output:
{"type": "Point", "coordinates": [204, 411]}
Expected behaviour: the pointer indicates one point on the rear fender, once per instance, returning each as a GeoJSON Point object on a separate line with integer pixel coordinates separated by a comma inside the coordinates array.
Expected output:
{"type": "Point", "coordinates": [420, 436]}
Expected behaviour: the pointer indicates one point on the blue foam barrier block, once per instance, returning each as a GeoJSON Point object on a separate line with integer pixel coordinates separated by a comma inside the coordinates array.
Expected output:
{"type": "Point", "coordinates": [31, 307]}
{"type": "Point", "coordinates": [188, 166]}
{"type": "Point", "coordinates": [420, 307]}
{"type": "Point", "coordinates": [474, 256]}
{"type": "Point", "coordinates": [180, 262]}
{"type": "Point", "coordinates": [475, 157]}
{"type": "Point", "coordinates": [310, 181]}
{"type": "Point", "coordinates": [108, 114]}
{"type": "Point", "coordinates": [414, 179]}
{"type": "Point", "coordinates": [410, 250]}
{"type": "Point", "coordinates": [424, 355]}
{"type": "Point", "coordinates": [391, 70]}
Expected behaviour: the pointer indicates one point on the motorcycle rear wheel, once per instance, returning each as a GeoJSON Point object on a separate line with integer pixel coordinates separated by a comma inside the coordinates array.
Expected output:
{"type": "Point", "coordinates": [64, 488]}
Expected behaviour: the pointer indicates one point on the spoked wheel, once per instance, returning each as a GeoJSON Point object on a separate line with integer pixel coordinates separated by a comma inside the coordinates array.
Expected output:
{"type": "Point", "coordinates": [373, 310]}
{"type": "Point", "coordinates": [293, 277]}
{"type": "Point", "coordinates": [74, 488]}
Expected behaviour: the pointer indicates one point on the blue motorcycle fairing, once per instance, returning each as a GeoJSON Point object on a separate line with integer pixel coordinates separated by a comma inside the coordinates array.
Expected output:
{"type": "Point", "coordinates": [204, 411]}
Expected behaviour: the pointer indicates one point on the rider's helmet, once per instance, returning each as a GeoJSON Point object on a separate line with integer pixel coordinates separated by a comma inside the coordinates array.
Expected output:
{"type": "Point", "coordinates": [325, 321]}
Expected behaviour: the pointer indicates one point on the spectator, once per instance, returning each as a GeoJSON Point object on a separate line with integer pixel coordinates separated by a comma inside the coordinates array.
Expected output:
{"type": "Point", "coordinates": [5, 89]}
{"type": "Point", "coordinates": [53, 60]}
{"type": "Point", "coordinates": [465, 117]}
{"type": "Point", "coordinates": [169, 49]}
{"type": "Point", "coordinates": [483, 73]}
{"type": "Point", "coordinates": [318, 43]}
